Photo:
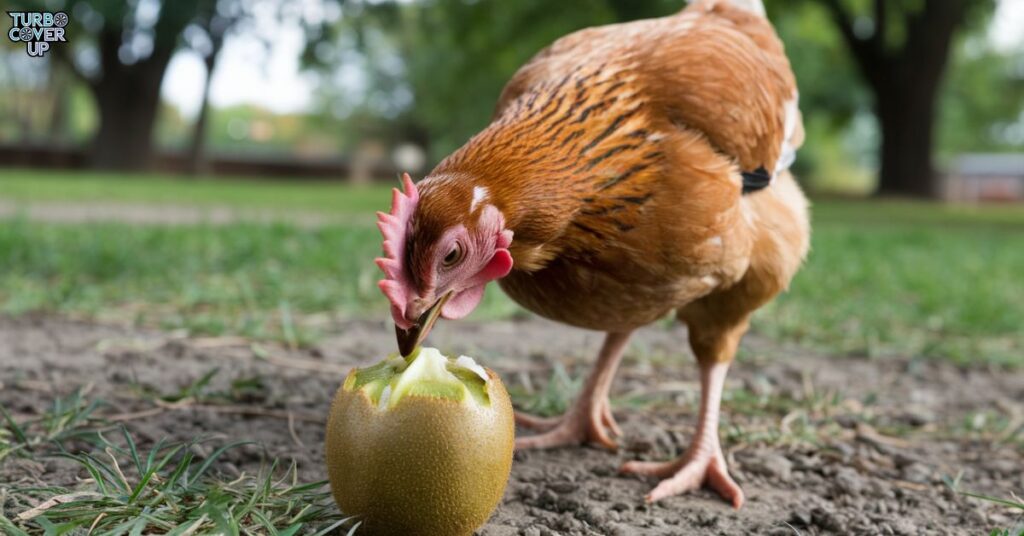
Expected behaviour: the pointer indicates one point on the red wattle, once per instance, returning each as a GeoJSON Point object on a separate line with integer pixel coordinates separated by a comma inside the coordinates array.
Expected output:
{"type": "Point", "coordinates": [499, 266]}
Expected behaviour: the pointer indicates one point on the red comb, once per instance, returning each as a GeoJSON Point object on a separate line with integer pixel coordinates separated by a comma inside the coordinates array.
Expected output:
{"type": "Point", "coordinates": [394, 227]}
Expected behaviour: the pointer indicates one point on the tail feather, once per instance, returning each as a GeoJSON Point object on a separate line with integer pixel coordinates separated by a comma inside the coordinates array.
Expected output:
{"type": "Point", "coordinates": [754, 6]}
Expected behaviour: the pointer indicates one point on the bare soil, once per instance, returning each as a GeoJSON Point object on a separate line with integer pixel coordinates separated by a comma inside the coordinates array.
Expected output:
{"type": "Point", "coordinates": [155, 214]}
{"type": "Point", "coordinates": [821, 444]}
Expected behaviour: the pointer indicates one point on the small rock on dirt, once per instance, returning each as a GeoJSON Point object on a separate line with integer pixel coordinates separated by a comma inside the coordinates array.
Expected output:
{"type": "Point", "coordinates": [849, 481]}
{"type": "Point", "coordinates": [769, 464]}
{"type": "Point", "coordinates": [917, 472]}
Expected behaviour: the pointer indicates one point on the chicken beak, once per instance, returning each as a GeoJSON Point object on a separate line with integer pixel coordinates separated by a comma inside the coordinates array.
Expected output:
{"type": "Point", "coordinates": [410, 339]}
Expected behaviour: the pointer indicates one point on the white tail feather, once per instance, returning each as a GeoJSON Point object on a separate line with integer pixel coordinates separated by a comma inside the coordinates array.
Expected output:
{"type": "Point", "coordinates": [754, 6]}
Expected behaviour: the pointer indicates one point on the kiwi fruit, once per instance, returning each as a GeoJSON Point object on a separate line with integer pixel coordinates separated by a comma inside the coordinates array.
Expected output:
{"type": "Point", "coordinates": [420, 445]}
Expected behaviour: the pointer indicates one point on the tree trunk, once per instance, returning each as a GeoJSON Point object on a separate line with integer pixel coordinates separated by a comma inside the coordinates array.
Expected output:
{"type": "Point", "coordinates": [196, 155]}
{"type": "Point", "coordinates": [905, 81]}
{"type": "Point", "coordinates": [197, 161]}
{"type": "Point", "coordinates": [128, 102]}
{"type": "Point", "coordinates": [906, 117]}
{"type": "Point", "coordinates": [128, 97]}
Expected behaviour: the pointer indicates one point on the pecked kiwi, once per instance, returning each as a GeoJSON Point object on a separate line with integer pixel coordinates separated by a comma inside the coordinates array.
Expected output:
{"type": "Point", "coordinates": [420, 446]}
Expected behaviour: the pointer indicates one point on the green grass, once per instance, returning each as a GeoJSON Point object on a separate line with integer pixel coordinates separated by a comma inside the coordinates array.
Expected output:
{"type": "Point", "coordinates": [553, 399]}
{"type": "Point", "coordinates": [68, 419]}
{"type": "Point", "coordinates": [256, 280]}
{"type": "Point", "coordinates": [1013, 503]}
{"type": "Point", "coordinates": [166, 490]}
{"type": "Point", "coordinates": [909, 278]}
{"type": "Point", "coordinates": [882, 278]}
{"type": "Point", "coordinates": [867, 213]}
{"type": "Point", "coordinates": [162, 488]}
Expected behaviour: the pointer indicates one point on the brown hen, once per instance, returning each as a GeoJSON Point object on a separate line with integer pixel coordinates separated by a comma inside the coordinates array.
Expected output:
{"type": "Point", "coordinates": [630, 170]}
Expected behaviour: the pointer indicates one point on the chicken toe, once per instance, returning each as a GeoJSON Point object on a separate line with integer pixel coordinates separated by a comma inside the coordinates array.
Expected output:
{"type": "Point", "coordinates": [534, 422]}
{"type": "Point", "coordinates": [579, 425]}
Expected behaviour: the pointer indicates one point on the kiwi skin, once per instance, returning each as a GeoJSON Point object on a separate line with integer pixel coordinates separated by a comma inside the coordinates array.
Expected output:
{"type": "Point", "coordinates": [427, 466]}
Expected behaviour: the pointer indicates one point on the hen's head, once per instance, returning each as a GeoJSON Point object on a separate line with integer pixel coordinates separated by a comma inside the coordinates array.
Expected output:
{"type": "Point", "coordinates": [440, 251]}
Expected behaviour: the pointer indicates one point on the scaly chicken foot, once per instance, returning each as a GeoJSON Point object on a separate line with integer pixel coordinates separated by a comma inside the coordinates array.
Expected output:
{"type": "Point", "coordinates": [609, 420]}
{"type": "Point", "coordinates": [698, 467]}
{"type": "Point", "coordinates": [590, 419]}
{"type": "Point", "coordinates": [703, 463]}
{"type": "Point", "coordinates": [579, 425]}
{"type": "Point", "coordinates": [546, 424]}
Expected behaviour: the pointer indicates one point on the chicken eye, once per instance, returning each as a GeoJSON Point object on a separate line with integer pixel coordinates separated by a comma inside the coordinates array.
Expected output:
{"type": "Point", "coordinates": [453, 256]}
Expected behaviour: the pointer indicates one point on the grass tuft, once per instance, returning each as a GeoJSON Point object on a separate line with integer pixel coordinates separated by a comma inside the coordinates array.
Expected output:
{"type": "Point", "coordinates": [168, 490]}
{"type": "Point", "coordinates": [553, 399]}
{"type": "Point", "coordinates": [1014, 503]}
{"type": "Point", "coordinates": [69, 418]}
{"type": "Point", "coordinates": [169, 487]}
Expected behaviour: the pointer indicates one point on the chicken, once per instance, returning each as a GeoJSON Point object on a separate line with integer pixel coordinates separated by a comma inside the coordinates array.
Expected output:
{"type": "Point", "coordinates": [630, 171]}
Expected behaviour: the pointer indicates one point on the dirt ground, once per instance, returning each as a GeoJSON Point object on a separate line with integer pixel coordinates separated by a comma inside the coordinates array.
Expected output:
{"type": "Point", "coordinates": [821, 444]}
{"type": "Point", "coordinates": [159, 214]}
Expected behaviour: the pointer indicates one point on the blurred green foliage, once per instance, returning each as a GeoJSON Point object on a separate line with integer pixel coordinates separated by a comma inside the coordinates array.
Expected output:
{"type": "Point", "coordinates": [430, 72]}
{"type": "Point", "coordinates": [452, 58]}
{"type": "Point", "coordinates": [982, 108]}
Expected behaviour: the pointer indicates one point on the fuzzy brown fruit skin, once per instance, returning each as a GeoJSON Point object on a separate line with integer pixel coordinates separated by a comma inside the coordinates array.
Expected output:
{"type": "Point", "coordinates": [428, 466]}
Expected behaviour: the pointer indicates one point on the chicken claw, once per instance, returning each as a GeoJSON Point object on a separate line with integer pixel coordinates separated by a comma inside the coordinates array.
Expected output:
{"type": "Point", "coordinates": [578, 426]}
{"type": "Point", "coordinates": [544, 424]}
{"type": "Point", "coordinates": [533, 422]}
{"type": "Point", "coordinates": [690, 472]}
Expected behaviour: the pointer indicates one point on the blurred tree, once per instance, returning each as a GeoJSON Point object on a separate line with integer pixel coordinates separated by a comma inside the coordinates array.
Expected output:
{"type": "Point", "coordinates": [128, 46]}
{"type": "Point", "coordinates": [31, 105]}
{"type": "Point", "coordinates": [832, 98]}
{"type": "Point", "coordinates": [363, 89]}
{"type": "Point", "coordinates": [258, 20]}
{"type": "Point", "coordinates": [460, 54]}
{"type": "Point", "coordinates": [121, 50]}
{"type": "Point", "coordinates": [902, 49]}
{"type": "Point", "coordinates": [983, 102]}
{"type": "Point", "coordinates": [431, 70]}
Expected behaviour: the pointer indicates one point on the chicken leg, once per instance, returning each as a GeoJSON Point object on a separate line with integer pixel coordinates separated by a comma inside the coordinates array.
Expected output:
{"type": "Point", "coordinates": [703, 463]}
{"type": "Point", "coordinates": [715, 345]}
{"type": "Point", "coordinates": [590, 419]}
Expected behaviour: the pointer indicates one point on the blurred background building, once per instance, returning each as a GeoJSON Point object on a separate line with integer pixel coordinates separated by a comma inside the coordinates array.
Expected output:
{"type": "Point", "coordinates": [893, 91]}
{"type": "Point", "coordinates": [977, 178]}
